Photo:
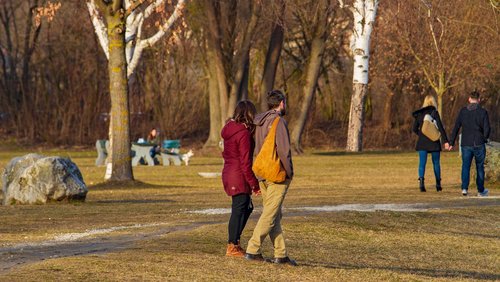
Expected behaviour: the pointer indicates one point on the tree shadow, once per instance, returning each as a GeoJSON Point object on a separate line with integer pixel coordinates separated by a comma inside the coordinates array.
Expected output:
{"type": "Point", "coordinates": [131, 185]}
{"type": "Point", "coordinates": [208, 164]}
{"type": "Point", "coordinates": [131, 201]}
{"type": "Point", "coordinates": [343, 153]}
{"type": "Point", "coordinates": [435, 273]}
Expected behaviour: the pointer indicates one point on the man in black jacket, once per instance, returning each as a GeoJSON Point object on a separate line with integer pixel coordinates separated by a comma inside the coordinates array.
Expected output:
{"type": "Point", "coordinates": [475, 124]}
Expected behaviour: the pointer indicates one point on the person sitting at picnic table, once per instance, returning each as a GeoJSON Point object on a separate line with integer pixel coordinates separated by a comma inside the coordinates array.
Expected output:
{"type": "Point", "coordinates": [154, 138]}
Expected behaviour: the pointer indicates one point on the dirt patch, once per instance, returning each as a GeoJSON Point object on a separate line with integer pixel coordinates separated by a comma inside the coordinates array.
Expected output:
{"type": "Point", "coordinates": [77, 244]}
{"type": "Point", "coordinates": [70, 245]}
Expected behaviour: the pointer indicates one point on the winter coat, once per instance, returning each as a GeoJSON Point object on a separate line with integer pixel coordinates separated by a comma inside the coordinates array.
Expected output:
{"type": "Point", "coordinates": [263, 122]}
{"type": "Point", "coordinates": [475, 124]}
{"type": "Point", "coordinates": [424, 143]}
{"type": "Point", "coordinates": [237, 174]}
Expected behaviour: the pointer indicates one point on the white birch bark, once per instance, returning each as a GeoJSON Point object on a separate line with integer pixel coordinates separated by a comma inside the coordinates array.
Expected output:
{"type": "Point", "coordinates": [99, 27]}
{"type": "Point", "coordinates": [135, 44]}
{"type": "Point", "coordinates": [162, 31]}
{"type": "Point", "coordinates": [364, 12]}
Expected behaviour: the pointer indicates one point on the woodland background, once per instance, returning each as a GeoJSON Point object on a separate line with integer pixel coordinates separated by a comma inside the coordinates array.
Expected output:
{"type": "Point", "coordinates": [54, 87]}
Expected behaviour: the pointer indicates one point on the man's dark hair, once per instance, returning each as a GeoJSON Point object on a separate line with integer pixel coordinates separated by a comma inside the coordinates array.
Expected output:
{"type": "Point", "coordinates": [274, 98]}
{"type": "Point", "coordinates": [475, 94]}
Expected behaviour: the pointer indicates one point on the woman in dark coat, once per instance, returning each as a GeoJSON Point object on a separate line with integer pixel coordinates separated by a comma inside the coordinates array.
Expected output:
{"type": "Point", "coordinates": [425, 145]}
{"type": "Point", "coordinates": [237, 176]}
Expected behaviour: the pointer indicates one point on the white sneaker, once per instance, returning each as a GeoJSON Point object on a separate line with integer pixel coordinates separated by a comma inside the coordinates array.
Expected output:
{"type": "Point", "coordinates": [464, 192]}
{"type": "Point", "coordinates": [484, 193]}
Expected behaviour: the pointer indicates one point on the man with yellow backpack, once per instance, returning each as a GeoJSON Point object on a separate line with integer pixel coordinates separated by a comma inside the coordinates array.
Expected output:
{"type": "Point", "coordinates": [274, 169]}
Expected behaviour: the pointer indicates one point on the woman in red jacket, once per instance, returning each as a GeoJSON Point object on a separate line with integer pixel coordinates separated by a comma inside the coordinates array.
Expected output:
{"type": "Point", "coordinates": [237, 176]}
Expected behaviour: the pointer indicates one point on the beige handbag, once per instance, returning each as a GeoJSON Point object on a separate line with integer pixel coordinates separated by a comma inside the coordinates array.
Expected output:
{"type": "Point", "coordinates": [430, 128]}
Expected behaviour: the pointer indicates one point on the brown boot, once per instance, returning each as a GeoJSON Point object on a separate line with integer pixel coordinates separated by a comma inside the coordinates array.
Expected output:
{"type": "Point", "coordinates": [234, 250]}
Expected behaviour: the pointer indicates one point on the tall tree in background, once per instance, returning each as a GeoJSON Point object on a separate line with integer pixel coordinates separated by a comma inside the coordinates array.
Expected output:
{"type": "Point", "coordinates": [319, 19]}
{"type": "Point", "coordinates": [447, 52]}
{"type": "Point", "coordinates": [18, 41]}
{"type": "Point", "coordinates": [364, 13]}
{"type": "Point", "coordinates": [231, 27]}
{"type": "Point", "coordinates": [119, 27]}
{"type": "Point", "coordinates": [273, 54]}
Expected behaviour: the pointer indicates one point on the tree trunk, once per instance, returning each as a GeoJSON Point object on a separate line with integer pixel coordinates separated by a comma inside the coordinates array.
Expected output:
{"type": "Point", "coordinates": [271, 63]}
{"type": "Point", "coordinates": [440, 92]}
{"type": "Point", "coordinates": [387, 117]}
{"type": "Point", "coordinates": [213, 43]}
{"type": "Point", "coordinates": [364, 13]}
{"type": "Point", "coordinates": [356, 118]}
{"type": "Point", "coordinates": [244, 83]}
{"type": "Point", "coordinates": [440, 104]}
{"type": "Point", "coordinates": [312, 74]}
{"type": "Point", "coordinates": [120, 113]}
{"type": "Point", "coordinates": [243, 56]}
{"type": "Point", "coordinates": [214, 101]}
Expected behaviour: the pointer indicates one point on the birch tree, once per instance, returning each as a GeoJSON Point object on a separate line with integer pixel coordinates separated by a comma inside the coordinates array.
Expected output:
{"type": "Point", "coordinates": [119, 26]}
{"type": "Point", "coordinates": [364, 13]}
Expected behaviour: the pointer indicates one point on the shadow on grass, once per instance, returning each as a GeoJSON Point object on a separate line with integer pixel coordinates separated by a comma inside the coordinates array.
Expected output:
{"type": "Point", "coordinates": [130, 185]}
{"type": "Point", "coordinates": [208, 164]}
{"type": "Point", "coordinates": [140, 201]}
{"type": "Point", "coordinates": [342, 153]}
{"type": "Point", "coordinates": [435, 273]}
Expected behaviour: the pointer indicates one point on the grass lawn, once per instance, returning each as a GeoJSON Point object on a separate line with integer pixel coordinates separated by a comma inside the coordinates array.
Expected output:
{"type": "Point", "coordinates": [150, 233]}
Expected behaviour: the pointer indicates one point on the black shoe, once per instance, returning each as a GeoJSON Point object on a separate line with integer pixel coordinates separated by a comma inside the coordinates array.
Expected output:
{"type": "Point", "coordinates": [257, 257]}
{"type": "Point", "coordinates": [421, 184]}
{"type": "Point", "coordinates": [284, 260]}
{"type": "Point", "coordinates": [438, 185]}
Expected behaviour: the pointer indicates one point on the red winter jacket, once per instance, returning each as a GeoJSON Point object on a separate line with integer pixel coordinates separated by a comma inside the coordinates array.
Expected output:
{"type": "Point", "coordinates": [237, 174]}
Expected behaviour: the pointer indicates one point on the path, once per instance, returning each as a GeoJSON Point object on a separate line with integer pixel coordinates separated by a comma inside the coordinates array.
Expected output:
{"type": "Point", "coordinates": [75, 244]}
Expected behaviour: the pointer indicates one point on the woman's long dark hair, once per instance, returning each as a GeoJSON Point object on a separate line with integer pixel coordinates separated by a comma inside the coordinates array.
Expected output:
{"type": "Point", "coordinates": [244, 113]}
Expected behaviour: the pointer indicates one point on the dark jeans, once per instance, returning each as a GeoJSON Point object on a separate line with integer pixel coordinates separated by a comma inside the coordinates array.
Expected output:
{"type": "Point", "coordinates": [241, 209]}
{"type": "Point", "coordinates": [155, 150]}
{"type": "Point", "coordinates": [435, 162]}
{"type": "Point", "coordinates": [479, 154]}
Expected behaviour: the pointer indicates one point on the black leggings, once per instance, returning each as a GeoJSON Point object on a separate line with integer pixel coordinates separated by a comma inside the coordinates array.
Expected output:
{"type": "Point", "coordinates": [241, 209]}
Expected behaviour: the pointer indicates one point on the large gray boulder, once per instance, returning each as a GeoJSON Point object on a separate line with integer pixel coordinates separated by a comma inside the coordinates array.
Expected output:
{"type": "Point", "coordinates": [492, 162]}
{"type": "Point", "coordinates": [36, 179]}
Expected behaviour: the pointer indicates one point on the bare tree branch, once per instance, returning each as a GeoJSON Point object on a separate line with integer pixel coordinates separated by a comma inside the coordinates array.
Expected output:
{"type": "Point", "coordinates": [99, 26]}
{"type": "Point", "coordinates": [135, 5]}
{"type": "Point", "coordinates": [150, 9]}
{"type": "Point", "coordinates": [141, 44]}
{"type": "Point", "coordinates": [493, 32]}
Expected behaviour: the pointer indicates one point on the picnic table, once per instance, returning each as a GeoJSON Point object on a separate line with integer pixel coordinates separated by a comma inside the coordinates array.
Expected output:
{"type": "Point", "coordinates": [170, 152]}
{"type": "Point", "coordinates": [141, 151]}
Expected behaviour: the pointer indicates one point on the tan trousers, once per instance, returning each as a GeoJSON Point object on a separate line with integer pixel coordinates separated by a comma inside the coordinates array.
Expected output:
{"type": "Point", "coordinates": [269, 222]}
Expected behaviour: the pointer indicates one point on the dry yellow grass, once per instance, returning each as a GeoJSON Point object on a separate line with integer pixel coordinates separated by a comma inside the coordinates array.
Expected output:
{"type": "Point", "coordinates": [450, 243]}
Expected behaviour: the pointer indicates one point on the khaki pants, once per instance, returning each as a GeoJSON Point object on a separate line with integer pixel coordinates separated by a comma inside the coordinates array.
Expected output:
{"type": "Point", "coordinates": [269, 222]}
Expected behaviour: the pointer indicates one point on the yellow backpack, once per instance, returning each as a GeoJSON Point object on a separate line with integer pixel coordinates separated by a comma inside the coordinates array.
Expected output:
{"type": "Point", "coordinates": [267, 164]}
